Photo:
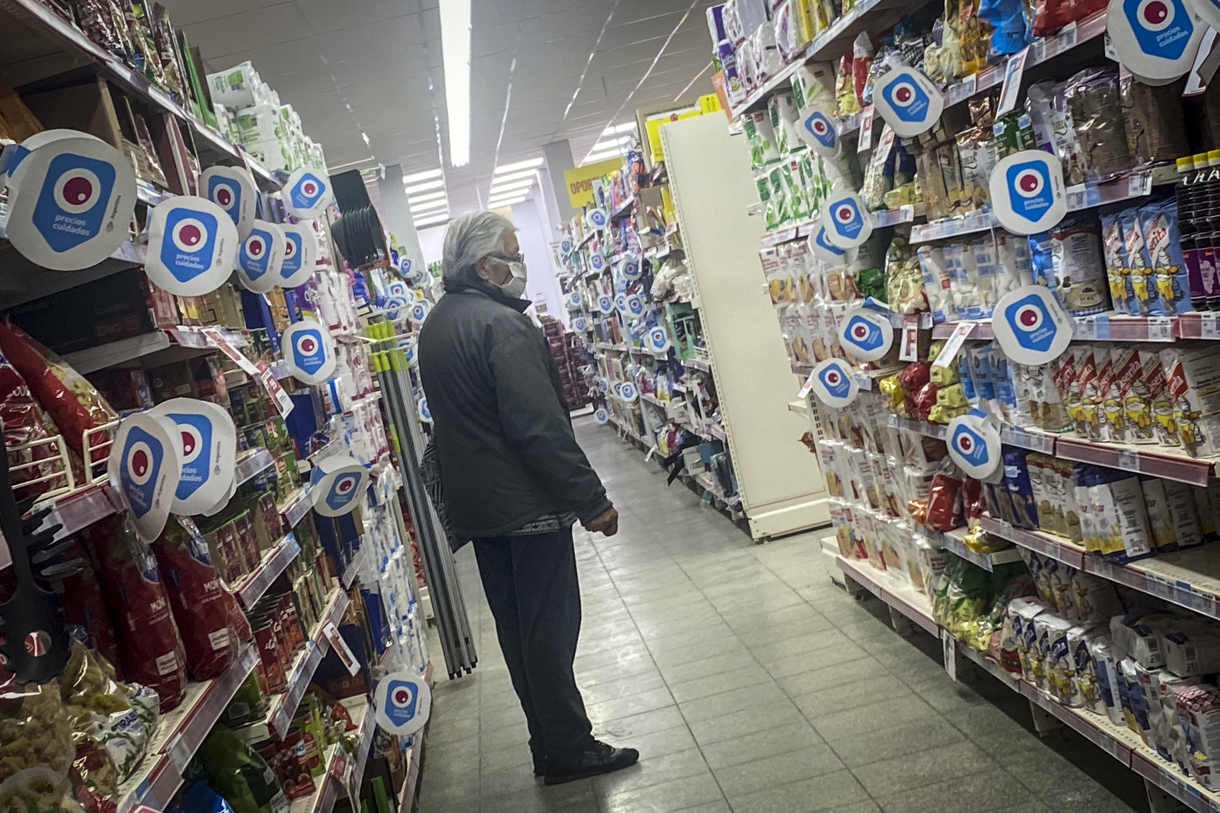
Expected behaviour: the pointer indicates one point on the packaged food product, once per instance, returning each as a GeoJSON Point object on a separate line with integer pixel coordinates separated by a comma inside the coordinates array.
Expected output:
{"type": "Point", "coordinates": [1100, 649]}
{"type": "Point", "coordinates": [1080, 273]}
{"type": "Point", "coordinates": [1095, 104]}
{"type": "Point", "coordinates": [1163, 243]}
{"type": "Point", "coordinates": [103, 713]}
{"type": "Point", "coordinates": [196, 595]}
{"type": "Point", "coordinates": [36, 743]}
{"type": "Point", "coordinates": [22, 423]}
{"type": "Point", "coordinates": [240, 775]}
{"type": "Point", "coordinates": [85, 609]}
{"type": "Point", "coordinates": [72, 402]}
{"type": "Point", "coordinates": [1199, 711]}
{"type": "Point", "coordinates": [1140, 636]}
{"type": "Point", "coordinates": [1156, 127]}
{"type": "Point", "coordinates": [151, 648]}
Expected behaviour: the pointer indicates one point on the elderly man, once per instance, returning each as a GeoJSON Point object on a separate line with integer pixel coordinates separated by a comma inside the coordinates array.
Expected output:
{"type": "Point", "coordinates": [515, 481]}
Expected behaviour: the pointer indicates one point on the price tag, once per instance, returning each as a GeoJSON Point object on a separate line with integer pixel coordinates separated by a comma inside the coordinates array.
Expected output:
{"type": "Point", "coordinates": [866, 130]}
{"type": "Point", "coordinates": [1075, 197]}
{"type": "Point", "coordinates": [1110, 746]}
{"type": "Point", "coordinates": [341, 648]}
{"type": "Point", "coordinates": [1209, 325]}
{"type": "Point", "coordinates": [1111, 51]}
{"type": "Point", "coordinates": [1102, 567]}
{"type": "Point", "coordinates": [1129, 460]}
{"type": "Point", "coordinates": [1013, 72]}
{"type": "Point", "coordinates": [949, 643]}
{"type": "Point", "coordinates": [1203, 602]}
{"type": "Point", "coordinates": [1160, 587]}
{"type": "Point", "coordinates": [803, 393]}
{"type": "Point", "coordinates": [283, 402]}
{"type": "Point", "coordinates": [1102, 328]}
{"type": "Point", "coordinates": [248, 657]}
{"type": "Point", "coordinates": [1139, 184]}
{"type": "Point", "coordinates": [954, 344]}
{"type": "Point", "coordinates": [179, 753]}
{"type": "Point", "coordinates": [281, 721]}
{"type": "Point", "coordinates": [1006, 529]}
{"type": "Point", "coordinates": [1160, 329]}
{"type": "Point", "coordinates": [909, 348]}
{"type": "Point", "coordinates": [1067, 37]}
{"type": "Point", "coordinates": [970, 86]}
{"type": "Point", "coordinates": [1086, 328]}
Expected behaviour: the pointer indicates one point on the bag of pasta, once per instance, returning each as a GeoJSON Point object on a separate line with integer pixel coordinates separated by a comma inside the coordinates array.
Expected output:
{"type": "Point", "coordinates": [35, 747]}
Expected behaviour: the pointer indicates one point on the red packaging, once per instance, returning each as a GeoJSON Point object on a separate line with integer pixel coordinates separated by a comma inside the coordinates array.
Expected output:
{"type": "Point", "coordinates": [972, 498]}
{"type": "Point", "coordinates": [85, 609]}
{"type": "Point", "coordinates": [248, 541]}
{"type": "Point", "coordinates": [269, 654]}
{"type": "Point", "coordinates": [22, 421]}
{"type": "Point", "coordinates": [73, 403]}
{"type": "Point", "coordinates": [272, 520]}
{"type": "Point", "coordinates": [151, 648]}
{"type": "Point", "coordinates": [226, 557]}
{"type": "Point", "coordinates": [1051, 15]}
{"type": "Point", "coordinates": [915, 376]}
{"type": "Point", "coordinates": [944, 503]}
{"type": "Point", "coordinates": [237, 619]}
{"type": "Point", "coordinates": [920, 402]}
{"type": "Point", "coordinates": [197, 597]}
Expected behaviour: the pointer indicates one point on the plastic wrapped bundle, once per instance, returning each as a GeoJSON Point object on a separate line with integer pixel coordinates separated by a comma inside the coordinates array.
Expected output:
{"type": "Point", "coordinates": [1095, 102]}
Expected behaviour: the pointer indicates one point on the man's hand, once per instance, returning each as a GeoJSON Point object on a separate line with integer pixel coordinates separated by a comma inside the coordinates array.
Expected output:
{"type": "Point", "coordinates": [605, 523]}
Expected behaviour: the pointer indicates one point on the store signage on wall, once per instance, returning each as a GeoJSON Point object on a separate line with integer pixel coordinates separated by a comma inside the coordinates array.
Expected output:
{"type": "Point", "coordinates": [579, 180]}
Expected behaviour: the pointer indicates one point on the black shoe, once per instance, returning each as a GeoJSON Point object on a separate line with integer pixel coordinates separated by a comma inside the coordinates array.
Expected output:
{"type": "Point", "coordinates": [597, 759]}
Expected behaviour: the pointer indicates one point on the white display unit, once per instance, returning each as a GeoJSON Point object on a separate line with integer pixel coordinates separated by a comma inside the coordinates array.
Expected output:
{"type": "Point", "coordinates": [780, 481]}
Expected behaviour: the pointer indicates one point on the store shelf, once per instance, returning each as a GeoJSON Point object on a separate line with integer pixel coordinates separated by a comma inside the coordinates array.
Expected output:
{"type": "Point", "coordinates": [284, 706]}
{"type": "Point", "coordinates": [908, 213]}
{"type": "Point", "coordinates": [340, 765]}
{"type": "Point", "coordinates": [649, 398]}
{"type": "Point", "coordinates": [415, 757]}
{"type": "Point", "coordinates": [799, 407]}
{"type": "Point", "coordinates": [952, 542]}
{"type": "Point", "coordinates": [296, 506]}
{"type": "Point", "coordinates": [179, 735]}
{"type": "Point", "coordinates": [1142, 459]}
{"type": "Point", "coordinates": [932, 430]}
{"type": "Point", "coordinates": [79, 509]}
{"type": "Point", "coordinates": [624, 209]}
{"type": "Point", "coordinates": [980, 332]}
{"type": "Point", "coordinates": [253, 462]}
{"type": "Point", "coordinates": [1188, 578]}
{"type": "Point", "coordinates": [1032, 439]}
{"type": "Point", "coordinates": [1117, 741]}
{"type": "Point", "coordinates": [275, 562]}
{"type": "Point", "coordinates": [697, 364]}
{"type": "Point", "coordinates": [972, 223]}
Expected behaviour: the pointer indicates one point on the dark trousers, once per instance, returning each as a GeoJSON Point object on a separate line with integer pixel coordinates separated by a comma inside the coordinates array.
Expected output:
{"type": "Point", "coordinates": [531, 585]}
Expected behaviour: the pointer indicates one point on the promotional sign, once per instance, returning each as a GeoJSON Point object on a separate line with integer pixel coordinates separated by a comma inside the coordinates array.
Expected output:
{"type": "Point", "coordinates": [974, 445]}
{"type": "Point", "coordinates": [819, 130]}
{"type": "Point", "coordinates": [1031, 326]}
{"type": "Point", "coordinates": [232, 189]}
{"type": "Point", "coordinates": [579, 180]}
{"type": "Point", "coordinates": [605, 304]}
{"type": "Point", "coordinates": [823, 249]}
{"type": "Point", "coordinates": [579, 325]}
{"type": "Point", "coordinates": [336, 485]}
{"type": "Point", "coordinates": [628, 392]}
{"type": "Point", "coordinates": [620, 303]}
{"type": "Point", "coordinates": [71, 204]}
{"type": "Point", "coordinates": [260, 257]}
{"type": "Point", "coordinates": [300, 254]}
{"type": "Point", "coordinates": [13, 154]}
{"type": "Point", "coordinates": [657, 341]}
{"type": "Point", "coordinates": [192, 246]}
{"type": "Point", "coordinates": [208, 453]}
{"type": "Point", "coordinates": [419, 311]}
{"type": "Point", "coordinates": [307, 194]}
{"type": "Point", "coordinates": [631, 269]}
{"type": "Point", "coordinates": [1027, 193]}
{"type": "Point", "coordinates": [596, 261]}
{"type": "Point", "coordinates": [908, 101]}
{"type": "Point", "coordinates": [1206, 10]}
{"type": "Point", "coordinates": [833, 383]}
{"type": "Point", "coordinates": [866, 335]}
{"type": "Point", "coordinates": [402, 703]}
{"type": "Point", "coordinates": [415, 274]}
{"type": "Point", "coordinates": [308, 351]}
{"type": "Point", "coordinates": [847, 220]}
{"type": "Point", "coordinates": [393, 305]}
{"type": "Point", "coordinates": [1156, 40]}
{"type": "Point", "coordinates": [425, 413]}
{"type": "Point", "coordinates": [407, 345]}
{"type": "Point", "coordinates": [603, 384]}
{"type": "Point", "coordinates": [565, 246]}
{"type": "Point", "coordinates": [601, 415]}
{"type": "Point", "coordinates": [574, 300]}
{"type": "Point", "coordinates": [143, 467]}
{"type": "Point", "coordinates": [635, 306]}
{"type": "Point", "coordinates": [399, 288]}
{"type": "Point", "coordinates": [596, 219]}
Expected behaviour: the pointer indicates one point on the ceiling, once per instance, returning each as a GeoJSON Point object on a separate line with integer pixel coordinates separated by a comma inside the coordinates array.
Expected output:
{"type": "Point", "coordinates": [373, 67]}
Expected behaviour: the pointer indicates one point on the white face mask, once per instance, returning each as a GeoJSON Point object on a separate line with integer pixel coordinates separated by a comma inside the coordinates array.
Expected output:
{"type": "Point", "coordinates": [515, 287]}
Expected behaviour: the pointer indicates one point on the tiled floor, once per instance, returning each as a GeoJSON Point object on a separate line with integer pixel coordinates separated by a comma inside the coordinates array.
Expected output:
{"type": "Point", "coordinates": [749, 683]}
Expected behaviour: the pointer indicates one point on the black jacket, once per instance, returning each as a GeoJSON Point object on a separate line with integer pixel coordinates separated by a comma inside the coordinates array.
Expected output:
{"type": "Point", "coordinates": [507, 451]}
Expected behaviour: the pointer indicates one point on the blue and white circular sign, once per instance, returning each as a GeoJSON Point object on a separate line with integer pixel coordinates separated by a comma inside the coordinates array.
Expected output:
{"type": "Point", "coordinates": [631, 269]}
{"type": "Point", "coordinates": [260, 256]}
{"type": "Point", "coordinates": [419, 311]}
{"type": "Point", "coordinates": [635, 306]}
{"type": "Point", "coordinates": [143, 467]}
{"type": "Point", "coordinates": [337, 484]}
{"type": "Point", "coordinates": [865, 334]}
{"type": "Point", "coordinates": [574, 299]}
{"type": "Point", "coordinates": [402, 703]}
{"type": "Point", "coordinates": [657, 341]}
{"type": "Point", "coordinates": [192, 246]}
{"type": "Point", "coordinates": [833, 383]}
{"type": "Point", "coordinates": [596, 219]}
{"type": "Point", "coordinates": [579, 324]}
{"type": "Point", "coordinates": [822, 248]}
{"type": "Point", "coordinates": [819, 129]}
{"type": "Point", "coordinates": [601, 415]}
{"type": "Point", "coordinates": [1156, 40]}
{"type": "Point", "coordinates": [603, 384]}
{"type": "Point", "coordinates": [207, 451]}
{"type": "Point", "coordinates": [232, 189]}
{"type": "Point", "coordinates": [425, 414]}
{"type": "Point", "coordinates": [1207, 11]}
{"type": "Point", "coordinates": [620, 302]}
{"type": "Point", "coordinates": [596, 261]}
{"type": "Point", "coordinates": [1031, 326]}
{"type": "Point", "coordinates": [605, 304]}
{"type": "Point", "coordinates": [309, 351]}
{"type": "Point", "coordinates": [908, 101]}
{"type": "Point", "coordinates": [1027, 191]}
{"type": "Point", "coordinates": [847, 219]}
{"type": "Point", "coordinates": [628, 392]}
{"type": "Point", "coordinates": [974, 445]}
{"type": "Point", "coordinates": [307, 194]}
{"type": "Point", "coordinates": [565, 246]}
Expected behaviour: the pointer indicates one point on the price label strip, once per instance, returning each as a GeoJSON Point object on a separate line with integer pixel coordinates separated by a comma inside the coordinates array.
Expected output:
{"type": "Point", "coordinates": [954, 344]}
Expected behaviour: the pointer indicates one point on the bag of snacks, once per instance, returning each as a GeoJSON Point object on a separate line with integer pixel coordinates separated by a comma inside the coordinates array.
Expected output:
{"type": "Point", "coordinates": [73, 403]}
{"type": "Point", "coordinates": [35, 747]}
{"type": "Point", "coordinates": [197, 596]}
{"type": "Point", "coordinates": [85, 608]}
{"type": "Point", "coordinates": [240, 775]}
{"type": "Point", "coordinates": [152, 649]}
{"type": "Point", "coordinates": [105, 712]}
{"type": "Point", "coordinates": [22, 422]}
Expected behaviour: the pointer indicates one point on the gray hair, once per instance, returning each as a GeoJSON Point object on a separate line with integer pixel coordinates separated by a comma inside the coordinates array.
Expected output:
{"type": "Point", "coordinates": [469, 239]}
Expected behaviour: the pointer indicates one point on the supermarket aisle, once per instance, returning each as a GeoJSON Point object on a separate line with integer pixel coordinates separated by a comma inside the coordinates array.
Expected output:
{"type": "Point", "coordinates": [749, 683]}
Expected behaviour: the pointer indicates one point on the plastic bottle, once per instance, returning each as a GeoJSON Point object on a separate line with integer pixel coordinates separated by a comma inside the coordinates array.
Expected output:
{"type": "Point", "coordinates": [1184, 194]}
{"type": "Point", "coordinates": [1209, 220]}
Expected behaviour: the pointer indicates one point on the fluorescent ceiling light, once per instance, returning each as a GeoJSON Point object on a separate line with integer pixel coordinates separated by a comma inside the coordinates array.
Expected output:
{"type": "Point", "coordinates": [607, 142]}
{"type": "Point", "coordinates": [427, 175]}
{"type": "Point", "coordinates": [594, 157]}
{"type": "Point", "coordinates": [503, 203]}
{"type": "Point", "coordinates": [625, 127]}
{"type": "Point", "coordinates": [455, 55]}
{"type": "Point", "coordinates": [504, 187]}
{"type": "Point", "coordinates": [516, 176]}
{"type": "Point", "coordinates": [424, 187]}
{"type": "Point", "coordinates": [425, 197]}
{"type": "Point", "coordinates": [431, 220]}
{"type": "Point", "coordinates": [424, 207]}
{"type": "Point", "coordinates": [527, 164]}
{"type": "Point", "coordinates": [501, 194]}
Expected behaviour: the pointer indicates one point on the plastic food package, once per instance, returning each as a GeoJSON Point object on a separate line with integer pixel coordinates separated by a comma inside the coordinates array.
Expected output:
{"type": "Point", "coordinates": [35, 747]}
{"type": "Point", "coordinates": [936, 283]}
{"type": "Point", "coordinates": [1199, 711]}
{"type": "Point", "coordinates": [861, 66]}
{"type": "Point", "coordinates": [1156, 127]}
{"type": "Point", "coordinates": [152, 649]}
{"type": "Point", "coordinates": [945, 501]}
{"type": "Point", "coordinates": [1096, 108]}
{"type": "Point", "coordinates": [197, 596]}
{"type": "Point", "coordinates": [1159, 224]}
{"type": "Point", "coordinates": [73, 403]}
{"type": "Point", "coordinates": [85, 608]}
{"type": "Point", "coordinates": [22, 423]}
{"type": "Point", "coordinates": [240, 775]}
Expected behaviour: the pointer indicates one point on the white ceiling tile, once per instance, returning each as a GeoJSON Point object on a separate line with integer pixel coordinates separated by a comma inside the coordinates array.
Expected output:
{"type": "Point", "coordinates": [335, 15]}
{"type": "Point", "coordinates": [189, 12]}
{"type": "Point", "coordinates": [238, 35]}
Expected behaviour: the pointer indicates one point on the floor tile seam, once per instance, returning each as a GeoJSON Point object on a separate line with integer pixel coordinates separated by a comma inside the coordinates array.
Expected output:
{"type": "Point", "coordinates": [964, 774]}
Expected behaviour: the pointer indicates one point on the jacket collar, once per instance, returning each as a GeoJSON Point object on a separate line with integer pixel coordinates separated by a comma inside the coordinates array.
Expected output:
{"type": "Point", "coordinates": [519, 305]}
